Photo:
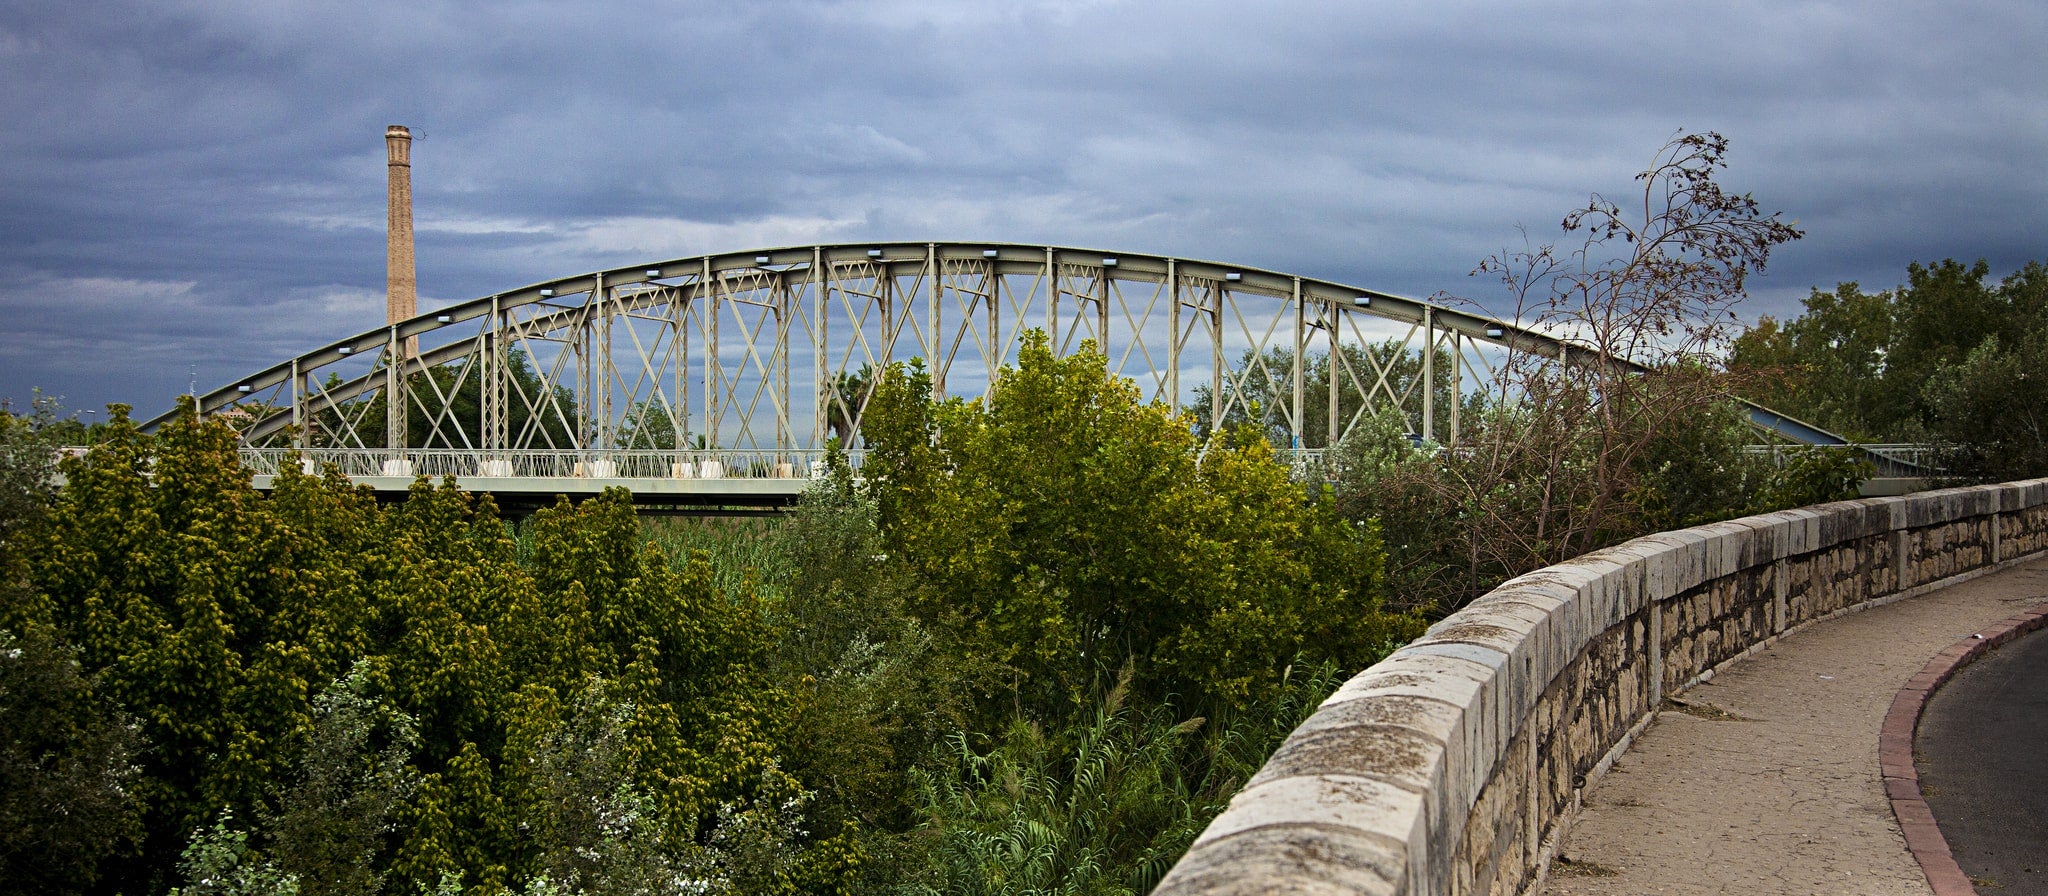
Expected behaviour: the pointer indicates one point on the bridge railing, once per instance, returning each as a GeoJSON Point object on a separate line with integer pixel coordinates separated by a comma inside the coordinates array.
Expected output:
{"type": "Point", "coordinates": [436, 463]}
{"type": "Point", "coordinates": [1891, 459]}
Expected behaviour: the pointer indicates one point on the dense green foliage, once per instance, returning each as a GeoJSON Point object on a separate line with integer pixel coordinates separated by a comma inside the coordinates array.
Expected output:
{"type": "Point", "coordinates": [1216, 574]}
{"type": "Point", "coordinates": [391, 696]}
{"type": "Point", "coordinates": [1092, 646]}
{"type": "Point", "coordinates": [65, 754]}
{"type": "Point", "coordinates": [1947, 357]}
{"type": "Point", "coordinates": [66, 750]}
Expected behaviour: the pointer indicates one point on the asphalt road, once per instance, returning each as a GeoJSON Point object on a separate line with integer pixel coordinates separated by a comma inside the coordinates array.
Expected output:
{"type": "Point", "coordinates": [1982, 752]}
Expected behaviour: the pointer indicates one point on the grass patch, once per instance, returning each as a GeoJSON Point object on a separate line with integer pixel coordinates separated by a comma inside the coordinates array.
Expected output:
{"type": "Point", "coordinates": [1704, 710]}
{"type": "Point", "coordinates": [1566, 866]}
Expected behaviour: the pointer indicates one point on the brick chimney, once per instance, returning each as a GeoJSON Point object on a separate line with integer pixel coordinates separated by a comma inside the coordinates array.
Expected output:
{"type": "Point", "coordinates": [401, 289]}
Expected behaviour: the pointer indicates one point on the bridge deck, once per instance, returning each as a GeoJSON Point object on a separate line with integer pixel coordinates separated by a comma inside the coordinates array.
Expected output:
{"type": "Point", "coordinates": [1766, 778]}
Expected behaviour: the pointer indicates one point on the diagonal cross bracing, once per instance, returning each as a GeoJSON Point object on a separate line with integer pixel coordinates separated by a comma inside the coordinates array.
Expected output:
{"type": "Point", "coordinates": [775, 350]}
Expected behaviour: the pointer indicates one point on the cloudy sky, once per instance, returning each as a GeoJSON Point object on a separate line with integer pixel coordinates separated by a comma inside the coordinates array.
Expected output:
{"type": "Point", "coordinates": [194, 189]}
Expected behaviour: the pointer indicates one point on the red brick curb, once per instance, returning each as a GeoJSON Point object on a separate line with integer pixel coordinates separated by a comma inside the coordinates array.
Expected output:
{"type": "Point", "coordinates": [1895, 751]}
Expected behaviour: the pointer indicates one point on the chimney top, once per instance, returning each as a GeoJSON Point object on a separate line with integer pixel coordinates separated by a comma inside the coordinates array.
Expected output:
{"type": "Point", "coordinates": [397, 130]}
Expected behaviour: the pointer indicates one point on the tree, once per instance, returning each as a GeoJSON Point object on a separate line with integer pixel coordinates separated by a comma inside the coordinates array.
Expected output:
{"type": "Point", "coordinates": [1992, 407]}
{"type": "Point", "coordinates": [1574, 453]}
{"type": "Point", "coordinates": [1825, 366]}
{"type": "Point", "coordinates": [28, 462]}
{"type": "Point", "coordinates": [219, 862]}
{"type": "Point", "coordinates": [1867, 365]}
{"type": "Point", "coordinates": [67, 752]}
{"type": "Point", "coordinates": [217, 614]}
{"type": "Point", "coordinates": [199, 612]}
{"type": "Point", "coordinates": [66, 766]}
{"type": "Point", "coordinates": [845, 401]}
{"type": "Point", "coordinates": [649, 426]}
{"type": "Point", "coordinates": [1062, 528]}
{"type": "Point", "coordinates": [335, 819]}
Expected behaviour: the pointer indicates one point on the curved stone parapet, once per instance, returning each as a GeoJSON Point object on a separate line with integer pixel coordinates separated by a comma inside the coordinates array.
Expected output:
{"type": "Point", "coordinates": [1453, 765]}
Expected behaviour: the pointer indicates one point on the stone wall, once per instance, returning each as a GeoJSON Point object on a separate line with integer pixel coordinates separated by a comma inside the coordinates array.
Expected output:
{"type": "Point", "coordinates": [1451, 766]}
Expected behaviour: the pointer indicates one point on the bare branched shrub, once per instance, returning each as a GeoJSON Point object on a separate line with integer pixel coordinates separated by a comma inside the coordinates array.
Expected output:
{"type": "Point", "coordinates": [1571, 452]}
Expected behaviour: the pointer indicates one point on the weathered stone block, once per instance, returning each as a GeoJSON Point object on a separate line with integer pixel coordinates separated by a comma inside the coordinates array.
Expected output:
{"type": "Point", "coordinates": [1302, 857]}
{"type": "Point", "coordinates": [1363, 804]}
{"type": "Point", "coordinates": [1398, 740]}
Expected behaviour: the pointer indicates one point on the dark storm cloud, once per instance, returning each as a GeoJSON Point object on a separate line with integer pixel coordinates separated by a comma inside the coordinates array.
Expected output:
{"type": "Point", "coordinates": [196, 189]}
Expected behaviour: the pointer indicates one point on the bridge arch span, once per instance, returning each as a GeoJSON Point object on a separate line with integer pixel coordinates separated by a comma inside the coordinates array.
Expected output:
{"type": "Point", "coordinates": [768, 350]}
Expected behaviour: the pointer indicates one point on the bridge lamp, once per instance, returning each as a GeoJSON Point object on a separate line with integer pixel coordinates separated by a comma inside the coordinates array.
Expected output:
{"type": "Point", "coordinates": [547, 293]}
{"type": "Point", "coordinates": [653, 273]}
{"type": "Point", "coordinates": [346, 350]}
{"type": "Point", "coordinates": [760, 260]}
{"type": "Point", "coordinates": [874, 253]}
{"type": "Point", "coordinates": [1362, 302]}
{"type": "Point", "coordinates": [989, 253]}
{"type": "Point", "coordinates": [442, 318]}
{"type": "Point", "coordinates": [243, 388]}
{"type": "Point", "coordinates": [1109, 262]}
{"type": "Point", "coordinates": [1495, 332]}
{"type": "Point", "coordinates": [1233, 276]}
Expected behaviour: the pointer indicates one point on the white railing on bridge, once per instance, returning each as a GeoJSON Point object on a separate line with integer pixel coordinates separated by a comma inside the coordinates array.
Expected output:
{"type": "Point", "coordinates": [1922, 457]}
{"type": "Point", "coordinates": [542, 464]}
{"type": "Point", "coordinates": [733, 464]}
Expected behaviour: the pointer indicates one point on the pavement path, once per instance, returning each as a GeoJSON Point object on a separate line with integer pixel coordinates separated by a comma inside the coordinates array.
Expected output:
{"type": "Point", "coordinates": [1765, 779]}
{"type": "Point", "coordinates": [1981, 770]}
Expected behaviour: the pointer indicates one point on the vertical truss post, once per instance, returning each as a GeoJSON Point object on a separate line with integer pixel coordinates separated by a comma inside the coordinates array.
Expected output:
{"type": "Point", "coordinates": [1296, 421]}
{"type": "Point", "coordinates": [677, 407]}
{"type": "Point", "coordinates": [579, 344]}
{"type": "Point", "coordinates": [783, 301]}
{"type": "Point", "coordinates": [992, 356]}
{"type": "Point", "coordinates": [931, 313]}
{"type": "Point", "coordinates": [1428, 373]}
{"type": "Point", "coordinates": [607, 369]}
{"type": "Point", "coordinates": [1052, 301]}
{"type": "Point", "coordinates": [299, 439]}
{"type": "Point", "coordinates": [1215, 356]}
{"type": "Point", "coordinates": [684, 299]}
{"type": "Point", "coordinates": [714, 370]}
{"type": "Point", "coordinates": [1102, 310]}
{"type": "Point", "coordinates": [495, 437]}
{"type": "Point", "coordinates": [821, 371]}
{"type": "Point", "coordinates": [1330, 315]}
{"type": "Point", "coordinates": [394, 400]}
{"type": "Point", "coordinates": [1174, 341]}
{"type": "Point", "coordinates": [1457, 381]}
{"type": "Point", "coordinates": [885, 294]}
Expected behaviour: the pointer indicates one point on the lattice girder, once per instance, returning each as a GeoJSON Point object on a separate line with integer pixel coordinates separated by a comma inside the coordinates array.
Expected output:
{"type": "Point", "coordinates": [775, 349]}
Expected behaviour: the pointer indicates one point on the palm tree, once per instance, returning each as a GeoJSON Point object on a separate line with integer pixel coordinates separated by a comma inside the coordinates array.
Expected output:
{"type": "Point", "coordinates": [845, 398]}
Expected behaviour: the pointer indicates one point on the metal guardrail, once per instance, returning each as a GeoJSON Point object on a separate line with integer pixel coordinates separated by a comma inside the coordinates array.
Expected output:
{"type": "Point", "coordinates": [1893, 459]}
{"type": "Point", "coordinates": [535, 464]}
{"type": "Point", "coordinates": [1904, 459]}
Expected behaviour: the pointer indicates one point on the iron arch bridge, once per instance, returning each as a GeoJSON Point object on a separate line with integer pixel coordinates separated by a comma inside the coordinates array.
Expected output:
{"type": "Point", "coordinates": [718, 379]}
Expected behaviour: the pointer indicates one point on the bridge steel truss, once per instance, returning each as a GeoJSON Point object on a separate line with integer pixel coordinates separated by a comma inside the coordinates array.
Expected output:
{"type": "Point", "coordinates": [765, 353]}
